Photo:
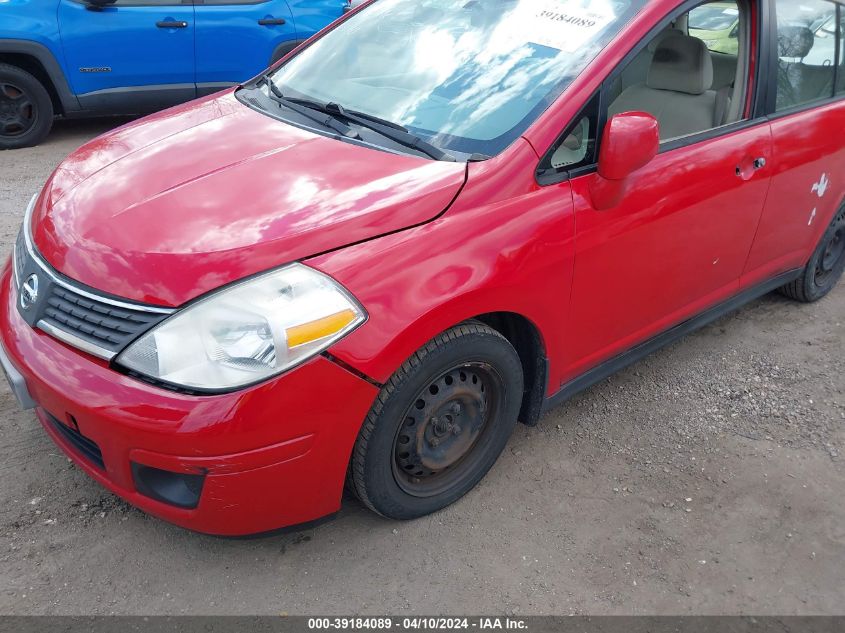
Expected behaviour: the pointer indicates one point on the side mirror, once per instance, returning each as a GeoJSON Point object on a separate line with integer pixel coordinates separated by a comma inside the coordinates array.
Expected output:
{"type": "Point", "coordinates": [98, 5]}
{"type": "Point", "coordinates": [630, 142]}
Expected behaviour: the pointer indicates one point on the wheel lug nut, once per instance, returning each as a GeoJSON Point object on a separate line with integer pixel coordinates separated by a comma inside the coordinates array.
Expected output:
{"type": "Point", "coordinates": [435, 420]}
{"type": "Point", "coordinates": [456, 430]}
{"type": "Point", "coordinates": [456, 408]}
{"type": "Point", "coordinates": [434, 442]}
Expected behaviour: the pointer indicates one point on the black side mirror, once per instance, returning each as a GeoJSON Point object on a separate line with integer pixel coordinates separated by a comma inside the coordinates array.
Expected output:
{"type": "Point", "coordinates": [98, 5]}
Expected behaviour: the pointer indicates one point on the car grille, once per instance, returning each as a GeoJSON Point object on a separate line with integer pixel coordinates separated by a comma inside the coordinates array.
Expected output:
{"type": "Point", "coordinates": [84, 447]}
{"type": "Point", "coordinates": [77, 315]}
{"type": "Point", "coordinates": [94, 321]}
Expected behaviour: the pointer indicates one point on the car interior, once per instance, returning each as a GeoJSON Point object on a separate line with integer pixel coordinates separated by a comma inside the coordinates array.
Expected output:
{"type": "Point", "coordinates": [692, 85]}
{"type": "Point", "coordinates": [676, 78]}
{"type": "Point", "coordinates": [685, 85]}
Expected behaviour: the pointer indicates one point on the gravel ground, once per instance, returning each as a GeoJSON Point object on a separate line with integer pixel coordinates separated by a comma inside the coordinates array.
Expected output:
{"type": "Point", "coordinates": [706, 479]}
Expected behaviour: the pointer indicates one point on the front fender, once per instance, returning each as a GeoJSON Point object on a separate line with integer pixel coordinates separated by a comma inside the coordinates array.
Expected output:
{"type": "Point", "coordinates": [513, 252]}
{"type": "Point", "coordinates": [48, 56]}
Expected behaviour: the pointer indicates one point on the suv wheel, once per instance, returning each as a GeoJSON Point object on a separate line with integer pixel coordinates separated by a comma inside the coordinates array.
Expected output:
{"type": "Point", "coordinates": [26, 110]}
{"type": "Point", "coordinates": [439, 424]}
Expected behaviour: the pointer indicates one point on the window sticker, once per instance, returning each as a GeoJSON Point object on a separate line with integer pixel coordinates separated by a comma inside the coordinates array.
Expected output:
{"type": "Point", "coordinates": [563, 25]}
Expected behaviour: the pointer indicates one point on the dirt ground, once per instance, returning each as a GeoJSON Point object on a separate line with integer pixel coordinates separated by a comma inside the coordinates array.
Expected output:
{"type": "Point", "coordinates": [707, 479]}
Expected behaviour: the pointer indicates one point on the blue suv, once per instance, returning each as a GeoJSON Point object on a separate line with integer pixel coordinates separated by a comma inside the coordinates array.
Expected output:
{"type": "Point", "coordinates": [89, 57]}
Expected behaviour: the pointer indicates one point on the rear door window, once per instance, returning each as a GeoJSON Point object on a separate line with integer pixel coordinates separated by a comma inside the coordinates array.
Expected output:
{"type": "Point", "coordinates": [808, 53]}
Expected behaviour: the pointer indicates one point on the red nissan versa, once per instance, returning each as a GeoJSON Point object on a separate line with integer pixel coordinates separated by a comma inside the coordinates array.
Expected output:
{"type": "Point", "coordinates": [435, 219]}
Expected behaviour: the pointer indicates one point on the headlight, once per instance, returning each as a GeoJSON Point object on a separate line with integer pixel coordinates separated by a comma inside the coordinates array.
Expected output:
{"type": "Point", "coordinates": [248, 332]}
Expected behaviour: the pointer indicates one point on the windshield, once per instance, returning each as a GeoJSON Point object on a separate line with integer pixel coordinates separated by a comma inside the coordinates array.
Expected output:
{"type": "Point", "coordinates": [465, 75]}
{"type": "Point", "coordinates": [713, 18]}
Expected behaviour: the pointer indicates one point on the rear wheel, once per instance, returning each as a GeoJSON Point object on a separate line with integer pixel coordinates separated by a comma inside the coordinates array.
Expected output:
{"type": "Point", "coordinates": [439, 423]}
{"type": "Point", "coordinates": [26, 110]}
{"type": "Point", "coordinates": [825, 268]}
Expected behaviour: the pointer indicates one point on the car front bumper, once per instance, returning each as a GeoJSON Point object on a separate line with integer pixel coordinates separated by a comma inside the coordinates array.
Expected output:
{"type": "Point", "coordinates": [268, 457]}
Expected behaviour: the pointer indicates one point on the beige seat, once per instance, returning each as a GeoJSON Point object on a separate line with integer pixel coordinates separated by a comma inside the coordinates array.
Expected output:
{"type": "Point", "coordinates": [637, 70]}
{"type": "Point", "coordinates": [678, 89]}
{"type": "Point", "coordinates": [724, 70]}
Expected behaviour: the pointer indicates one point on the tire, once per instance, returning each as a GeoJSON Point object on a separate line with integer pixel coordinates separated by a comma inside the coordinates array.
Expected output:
{"type": "Point", "coordinates": [439, 424]}
{"type": "Point", "coordinates": [26, 110]}
{"type": "Point", "coordinates": [825, 268]}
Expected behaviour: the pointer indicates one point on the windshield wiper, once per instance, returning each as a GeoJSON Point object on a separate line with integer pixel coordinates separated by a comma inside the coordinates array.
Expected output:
{"type": "Point", "coordinates": [309, 110]}
{"type": "Point", "coordinates": [388, 129]}
{"type": "Point", "coordinates": [393, 131]}
{"type": "Point", "coordinates": [371, 117]}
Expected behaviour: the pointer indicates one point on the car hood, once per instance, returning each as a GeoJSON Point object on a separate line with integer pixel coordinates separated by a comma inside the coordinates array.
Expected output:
{"type": "Point", "coordinates": [175, 205]}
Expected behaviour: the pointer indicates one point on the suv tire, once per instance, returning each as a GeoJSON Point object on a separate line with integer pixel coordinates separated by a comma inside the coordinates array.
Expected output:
{"type": "Point", "coordinates": [26, 109]}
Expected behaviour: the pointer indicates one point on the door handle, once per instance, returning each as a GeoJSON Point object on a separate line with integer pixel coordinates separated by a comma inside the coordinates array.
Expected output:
{"type": "Point", "coordinates": [271, 21]}
{"type": "Point", "coordinates": [748, 167]}
{"type": "Point", "coordinates": [172, 24]}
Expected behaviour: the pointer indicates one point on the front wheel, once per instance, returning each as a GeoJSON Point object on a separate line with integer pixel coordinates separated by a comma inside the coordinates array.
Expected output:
{"type": "Point", "coordinates": [825, 268]}
{"type": "Point", "coordinates": [439, 424]}
{"type": "Point", "coordinates": [26, 110]}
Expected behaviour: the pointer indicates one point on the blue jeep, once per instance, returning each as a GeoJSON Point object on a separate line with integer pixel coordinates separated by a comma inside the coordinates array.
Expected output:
{"type": "Point", "coordinates": [77, 58]}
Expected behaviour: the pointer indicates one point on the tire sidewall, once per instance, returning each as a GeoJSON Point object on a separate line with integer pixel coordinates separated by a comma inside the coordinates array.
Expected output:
{"type": "Point", "coordinates": [812, 291]}
{"type": "Point", "coordinates": [43, 108]}
{"type": "Point", "coordinates": [382, 490]}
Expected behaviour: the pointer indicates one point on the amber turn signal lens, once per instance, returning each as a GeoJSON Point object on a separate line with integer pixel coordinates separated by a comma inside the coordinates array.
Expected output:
{"type": "Point", "coordinates": [319, 329]}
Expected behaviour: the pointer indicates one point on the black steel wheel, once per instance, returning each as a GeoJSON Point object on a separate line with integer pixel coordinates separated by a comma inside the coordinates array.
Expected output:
{"type": "Point", "coordinates": [439, 424]}
{"type": "Point", "coordinates": [439, 431]}
{"type": "Point", "coordinates": [831, 258]}
{"type": "Point", "coordinates": [26, 110]}
{"type": "Point", "coordinates": [825, 268]}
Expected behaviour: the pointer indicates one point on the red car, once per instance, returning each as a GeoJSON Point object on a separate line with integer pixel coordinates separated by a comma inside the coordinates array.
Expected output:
{"type": "Point", "coordinates": [435, 219]}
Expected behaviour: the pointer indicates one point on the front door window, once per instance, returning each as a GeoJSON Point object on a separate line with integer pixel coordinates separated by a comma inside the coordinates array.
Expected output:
{"type": "Point", "coordinates": [691, 77]}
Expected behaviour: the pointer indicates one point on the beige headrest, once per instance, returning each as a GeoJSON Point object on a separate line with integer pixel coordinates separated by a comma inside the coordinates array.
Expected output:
{"type": "Point", "coordinates": [682, 64]}
{"type": "Point", "coordinates": [654, 44]}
